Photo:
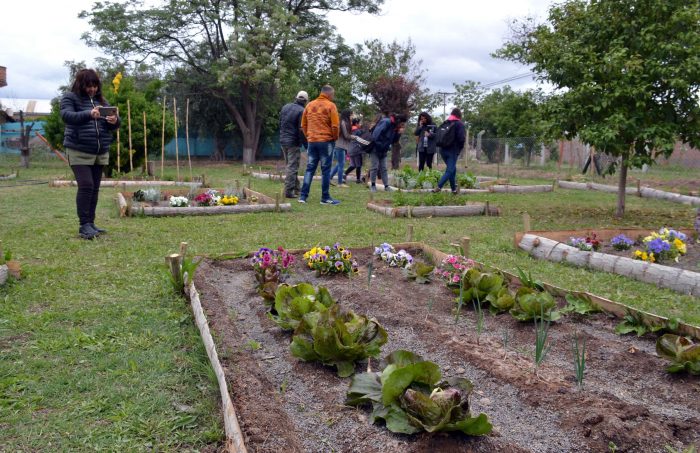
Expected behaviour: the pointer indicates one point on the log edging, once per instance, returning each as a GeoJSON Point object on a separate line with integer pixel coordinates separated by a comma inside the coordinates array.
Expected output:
{"type": "Point", "coordinates": [125, 183]}
{"type": "Point", "coordinates": [471, 209]}
{"type": "Point", "coordinates": [644, 192]}
{"type": "Point", "coordinates": [679, 280]}
{"type": "Point", "coordinates": [8, 177]}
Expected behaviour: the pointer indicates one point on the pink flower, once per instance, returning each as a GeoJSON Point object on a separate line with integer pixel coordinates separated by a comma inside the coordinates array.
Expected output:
{"type": "Point", "coordinates": [455, 278]}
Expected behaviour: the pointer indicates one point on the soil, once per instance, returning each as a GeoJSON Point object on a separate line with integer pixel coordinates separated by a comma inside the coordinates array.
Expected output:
{"type": "Point", "coordinates": [284, 404]}
{"type": "Point", "coordinates": [690, 261]}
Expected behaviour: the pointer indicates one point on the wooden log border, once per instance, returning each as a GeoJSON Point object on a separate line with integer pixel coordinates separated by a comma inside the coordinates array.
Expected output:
{"type": "Point", "coordinates": [7, 177]}
{"type": "Point", "coordinates": [265, 204]}
{"type": "Point", "coordinates": [126, 183]}
{"type": "Point", "coordinates": [644, 192]}
{"type": "Point", "coordinates": [679, 280]}
{"type": "Point", "coordinates": [472, 209]}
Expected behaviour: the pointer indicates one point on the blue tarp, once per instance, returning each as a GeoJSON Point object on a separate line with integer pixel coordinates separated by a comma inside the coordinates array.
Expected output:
{"type": "Point", "coordinates": [10, 134]}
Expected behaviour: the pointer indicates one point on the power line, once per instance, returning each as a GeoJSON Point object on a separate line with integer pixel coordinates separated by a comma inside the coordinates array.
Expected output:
{"type": "Point", "coordinates": [508, 79]}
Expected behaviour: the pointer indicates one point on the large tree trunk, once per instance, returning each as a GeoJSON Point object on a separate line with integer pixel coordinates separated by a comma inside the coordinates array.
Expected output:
{"type": "Point", "coordinates": [247, 120]}
{"type": "Point", "coordinates": [621, 192]}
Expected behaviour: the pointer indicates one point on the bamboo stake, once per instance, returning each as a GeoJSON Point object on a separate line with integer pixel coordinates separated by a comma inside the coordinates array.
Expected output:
{"type": "Point", "coordinates": [464, 245]}
{"type": "Point", "coordinates": [119, 161]}
{"type": "Point", "coordinates": [409, 233]}
{"type": "Point", "coordinates": [162, 142]}
{"type": "Point", "coordinates": [128, 116]}
{"type": "Point", "coordinates": [145, 144]}
{"type": "Point", "coordinates": [177, 152]}
{"type": "Point", "coordinates": [187, 134]}
{"type": "Point", "coordinates": [526, 221]}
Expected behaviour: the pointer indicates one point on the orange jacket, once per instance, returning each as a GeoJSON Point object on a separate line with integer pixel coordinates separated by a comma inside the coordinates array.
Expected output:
{"type": "Point", "coordinates": [320, 120]}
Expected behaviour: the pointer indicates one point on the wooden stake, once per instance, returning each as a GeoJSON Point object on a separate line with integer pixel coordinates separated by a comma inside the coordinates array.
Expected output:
{"type": "Point", "coordinates": [187, 134]}
{"type": "Point", "coordinates": [639, 188]}
{"type": "Point", "coordinates": [145, 143]}
{"type": "Point", "coordinates": [183, 249]}
{"type": "Point", "coordinates": [131, 148]}
{"type": "Point", "coordinates": [173, 263]}
{"type": "Point", "coordinates": [277, 202]}
{"type": "Point", "coordinates": [162, 142]}
{"type": "Point", "coordinates": [177, 152]}
{"type": "Point", "coordinates": [526, 222]}
{"type": "Point", "coordinates": [464, 244]}
{"type": "Point", "coordinates": [487, 209]}
{"type": "Point", "coordinates": [409, 233]}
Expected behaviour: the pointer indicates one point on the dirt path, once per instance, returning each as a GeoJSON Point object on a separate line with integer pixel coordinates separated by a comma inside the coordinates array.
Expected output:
{"type": "Point", "coordinates": [286, 404]}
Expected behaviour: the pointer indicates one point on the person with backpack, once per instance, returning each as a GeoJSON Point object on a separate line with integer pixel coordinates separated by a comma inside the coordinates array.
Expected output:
{"type": "Point", "coordinates": [357, 149]}
{"type": "Point", "coordinates": [450, 139]}
{"type": "Point", "coordinates": [384, 134]}
{"type": "Point", "coordinates": [342, 146]}
{"type": "Point", "coordinates": [291, 141]}
{"type": "Point", "coordinates": [425, 140]}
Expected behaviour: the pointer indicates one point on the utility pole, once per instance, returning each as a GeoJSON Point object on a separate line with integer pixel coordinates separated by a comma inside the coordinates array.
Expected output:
{"type": "Point", "coordinates": [444, 95]}
{"type": "Point", "coordinates": [24, 140]}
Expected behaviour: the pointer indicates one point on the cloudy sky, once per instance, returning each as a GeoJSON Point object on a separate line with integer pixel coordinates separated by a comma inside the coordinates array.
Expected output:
{"type": "Point", "coordinates": [453, 38]}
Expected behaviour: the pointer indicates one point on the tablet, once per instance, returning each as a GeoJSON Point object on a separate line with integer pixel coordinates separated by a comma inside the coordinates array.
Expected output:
{"type": "Point", "coordinates": [107, 111]}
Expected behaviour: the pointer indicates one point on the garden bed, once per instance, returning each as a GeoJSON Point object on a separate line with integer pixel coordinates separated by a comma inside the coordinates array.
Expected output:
{"type": "Point", "coordinates": [682, 276]}
{"type": "Point", "coordinates": [387, 208]}
{"type": "Point", "coordinates": [248, 201]}
{"type": "Point", "coordinates": [627, 399]}
{"type": "Point", "coordinates": [127, 183]}
{"type": "Point", "coordinates": [644, 192]}
{"type": "Point", "coordinates": [8, 177]}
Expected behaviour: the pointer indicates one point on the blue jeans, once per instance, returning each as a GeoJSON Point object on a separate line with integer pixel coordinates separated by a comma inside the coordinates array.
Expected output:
{"type": "Point", "coordinates": [318, 151]}
{"type": "Point", "coordinates": [340, 168]}
{"type": "Point", "coordinates": [450, 174]}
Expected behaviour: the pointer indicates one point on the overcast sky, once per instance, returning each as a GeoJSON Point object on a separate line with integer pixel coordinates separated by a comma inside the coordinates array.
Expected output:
{"type": "Point", "coordinates": [453, 38]}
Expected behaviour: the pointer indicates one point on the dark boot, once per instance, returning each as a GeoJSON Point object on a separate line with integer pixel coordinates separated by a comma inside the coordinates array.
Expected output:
{"type": "Point", "coordinates": [96, 228]}
{"type": "Point", "coordinates": [86, 232]}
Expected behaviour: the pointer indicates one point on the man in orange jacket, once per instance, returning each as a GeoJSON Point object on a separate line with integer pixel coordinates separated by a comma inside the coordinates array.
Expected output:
{"type": "Point", "coordinates": [320, 124]}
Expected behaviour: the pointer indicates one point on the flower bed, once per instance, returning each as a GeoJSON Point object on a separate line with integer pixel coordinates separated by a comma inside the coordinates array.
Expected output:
{"type": "Point", "coordinates": [649, 258]}
{"type": "Point", "coordinates": [284, 403]}
{"type": "Point", "coordinates": [153, 202]}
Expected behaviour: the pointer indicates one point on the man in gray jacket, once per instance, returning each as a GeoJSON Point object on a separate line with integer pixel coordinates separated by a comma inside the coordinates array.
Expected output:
{"type": "Point", "coordinates": [291, 140]}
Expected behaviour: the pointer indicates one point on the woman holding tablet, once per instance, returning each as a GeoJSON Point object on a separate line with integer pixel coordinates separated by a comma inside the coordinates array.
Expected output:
{"type": "Point", "coordinates": [89, 125]}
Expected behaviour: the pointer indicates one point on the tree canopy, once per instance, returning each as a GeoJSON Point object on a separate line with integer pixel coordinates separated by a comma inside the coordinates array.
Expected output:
{"type": "Point", "coordinates": [626, 74]}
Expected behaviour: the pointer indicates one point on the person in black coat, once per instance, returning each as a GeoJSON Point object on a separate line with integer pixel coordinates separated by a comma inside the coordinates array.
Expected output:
{"type": "Point", "coordinates": [87, 137]}
{"type": "Point", "coordinates": [291, 140]}
{"type": "Point", "coordinates": [450, 152]}
{"type": "Point", "coordinates": [425, 140]}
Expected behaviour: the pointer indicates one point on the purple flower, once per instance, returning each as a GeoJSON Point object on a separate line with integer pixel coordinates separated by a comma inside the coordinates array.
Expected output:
{"type": "Point", "coordinates": [621, 242]}
{"type": "Point", "coordinates": [658, 245]}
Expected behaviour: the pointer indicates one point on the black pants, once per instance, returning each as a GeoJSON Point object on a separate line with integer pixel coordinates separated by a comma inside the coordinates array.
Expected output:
{"type": "Point", "coordinates": [88, 178]}
{"type": "Point", "coordinates": [355, 164]}
{"type": "Point", "coordinates": [425, 159]}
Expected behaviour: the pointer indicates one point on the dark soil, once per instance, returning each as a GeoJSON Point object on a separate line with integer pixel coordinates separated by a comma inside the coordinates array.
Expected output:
{"type": "Point", "coordinates": [284, 404]}
{"type": "Point", "coordinates": [690, 261]}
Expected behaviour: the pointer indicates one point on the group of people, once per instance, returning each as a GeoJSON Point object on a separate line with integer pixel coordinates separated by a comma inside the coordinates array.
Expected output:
{"type": "Point", "coordinates": [327, 135]}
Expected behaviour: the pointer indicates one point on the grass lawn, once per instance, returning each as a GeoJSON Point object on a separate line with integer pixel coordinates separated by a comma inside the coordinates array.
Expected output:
{"type": "Point", "coordinates": [96, 352]}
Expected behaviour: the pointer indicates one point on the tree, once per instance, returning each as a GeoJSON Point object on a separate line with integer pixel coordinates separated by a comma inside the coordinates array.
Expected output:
{"type": "Point", "coordinates": [239, 50]}
{"type": "Point", "coordinates": [627, 74]}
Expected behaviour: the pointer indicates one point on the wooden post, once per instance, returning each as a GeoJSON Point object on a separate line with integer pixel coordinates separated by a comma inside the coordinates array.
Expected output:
{"type": "Point", "coordinates": [162, 142]}
{"type": "Point", "coordinates": [464, 245]}
{"type": "Point", "coordinates": [526, 222]}
{"type": "Point", "coordinates": [487, 209]}
{"type": "Point", "coordinates": [131, 148]}
{"type": "Point", "coordinates": [145, 143]}
{"type": "Point", "coordinates": [277, 202]}
{"type": "Point", "coordinates": [183, 249]}
{"type": "Point", "coordinates": [187, 134]}
{"type": "Point", "coordinates": [409, 233]}
{"type": "Point", "coordinates": [639, 188]}
{"type": "Point", "coordinates": [173, 263]}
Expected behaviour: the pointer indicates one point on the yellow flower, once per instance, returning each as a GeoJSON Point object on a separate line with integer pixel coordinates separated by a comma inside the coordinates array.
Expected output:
{"type": "Point", "coordinates": [651, 258]}
{"type": "Point", "coordinates": [637, 253]}
{"type": "Point", "coordinates": [116, 82]}
{"type": "Point", "coordinates": [644, 256]}
{"type": "Point", "coordinates": [680, 245]}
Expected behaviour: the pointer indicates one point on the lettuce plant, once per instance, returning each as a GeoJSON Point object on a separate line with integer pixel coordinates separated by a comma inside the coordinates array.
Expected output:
{"type": "Point", "coordinates": [410, 397]}
{"type": "Point", "coordinates": [581, 304]}
{"type": "Point", "coordinates": [337, 337]}
{"type": "Point", "coordinates": [293, 302]}
{"type": "Point", "coordinates": [683, 354]}
{"type": "Point", "coordinates": [420, 272]}
{"type": "Point", "coordinates": [531, 304]}
{"type": "Point", "coordinates": [500, 301]}
{"type": "Point", "coordinates": [478, 285]}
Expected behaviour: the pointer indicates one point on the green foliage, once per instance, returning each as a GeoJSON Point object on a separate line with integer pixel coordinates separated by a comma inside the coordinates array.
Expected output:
{"type": "Point", "coordinates": [410, 397]}
{"type": "Point", "coordinates": [420, 272]}
{"type": "Point", "coordinates": [338, 338]}
{"type": "Point", "coordinates": [293, 302]}
{"type": "Point", "coordinates": [189, 267]}
{"type": "Point", "coordinates": [634, 322]}
{"type": "Point", "coordinates": [531, 304]}
{"type": "Point", "coordinates": [527, 281]}
{"type": "Point", "coordinates": [683, 354]}
{"type": "Point", "coordinates": [581, 304]}
{"type": "Point", "coordinates": [467, 180]}
{"type": "Point", "coordinates": [479, 285]}
{"type": "Point", "coordinates": [427, 199]}
{"type": "Point", "coordinates": [542, 346]}
{"type": "Point", "coordinates": [689, 449]}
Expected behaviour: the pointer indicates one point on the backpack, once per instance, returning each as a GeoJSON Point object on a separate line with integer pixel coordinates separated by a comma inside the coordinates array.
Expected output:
{"type": "Point", "coordinates": [384, 140]}
{"type": "Point", "coordinates": [366, 143]}
{"type": "Point", "coordinates": [446, 135]}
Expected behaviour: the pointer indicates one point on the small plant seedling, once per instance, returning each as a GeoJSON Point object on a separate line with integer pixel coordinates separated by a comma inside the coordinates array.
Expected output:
{"type": "Point", "coordinates": [541, 345]}
{"type": "Point", "coordinates": [689, 449]}
{"type": "Point", "coordinates": [461, 299]}
{"type": "Point", "coordinates": [283, 386]}
{"type": "Point", "coordinates": [253, 345]}
{"type": "Point", "coordinates": [612, 447]}
{"type": "Point", "coordinates": [479, 318]}
{"type": "Point", "coordinates": [579, 348]}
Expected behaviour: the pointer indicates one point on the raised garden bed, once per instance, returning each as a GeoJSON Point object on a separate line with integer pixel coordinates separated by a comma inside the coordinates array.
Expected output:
{"type": "Point", "coordinates": [552, 246]}
{"type": "Point", "coordinates": [8, 176]}
{"type": "Point", "coordinates": [644, 192]}
{"type": "Point", "coordinates": [250, 201]}
{"type": "Point", "coordinates": [127, 183]}
{"type": "Point", "coordinates": [457, 207]}
{"type": "Point", "coordinates": [282, 403]}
